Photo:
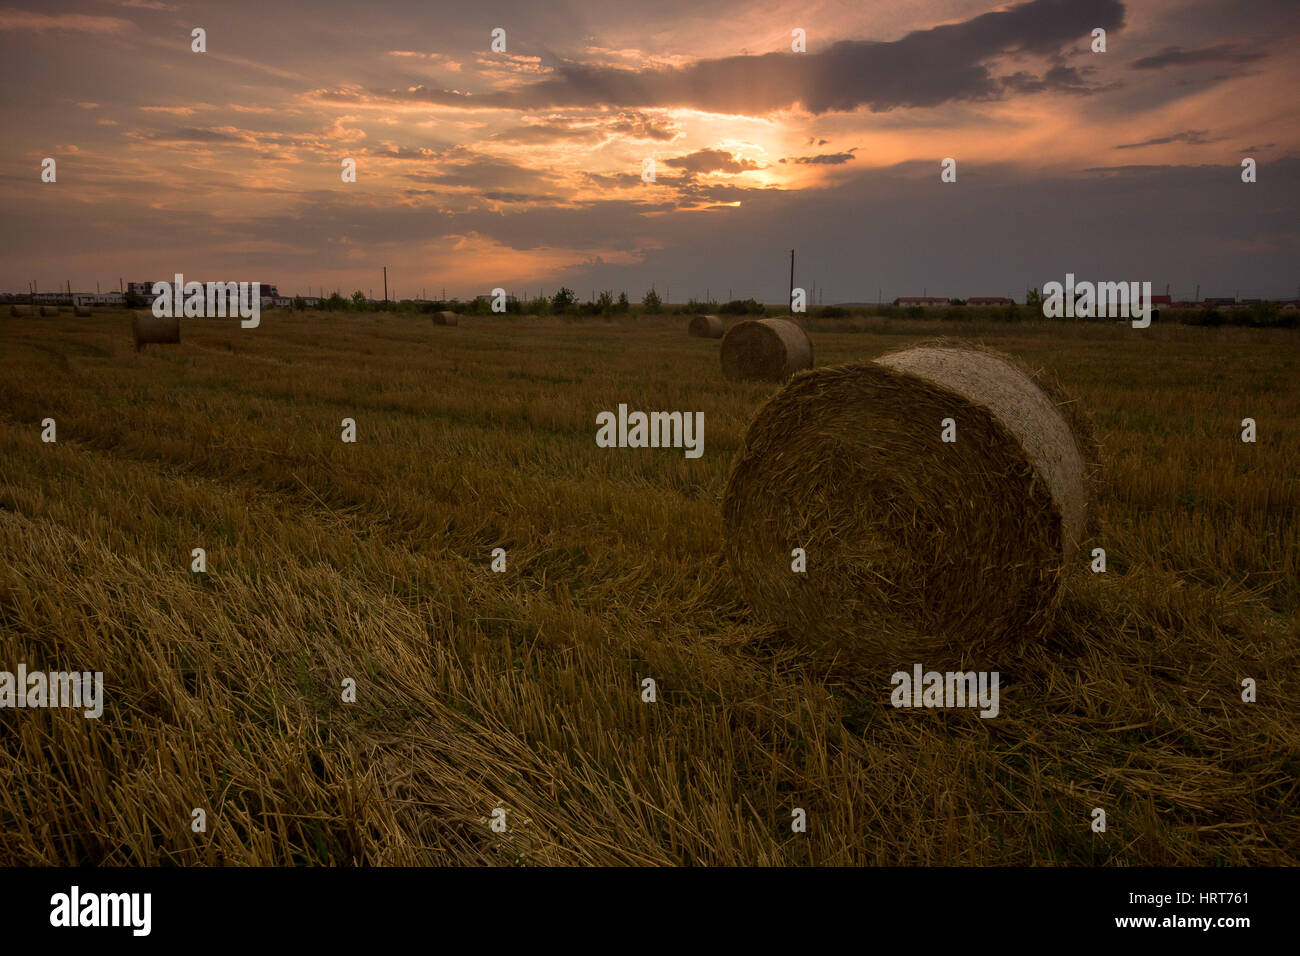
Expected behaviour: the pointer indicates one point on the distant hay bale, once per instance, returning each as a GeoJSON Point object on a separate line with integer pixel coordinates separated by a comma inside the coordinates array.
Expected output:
{"type": "Point", "coordinates": [20, 310]}
{"type": "Point", "coordinates": [917, 550]}
{"type": "Point", "coordinates": [446, 318]}
{"type": "Point", "coordinates": [149, 329]}
{"type": "Point", "coordinates": [767, 350]}
{"type": "Point", "coordinates": [49, 310]}
{"type": "Point", "coordinates": [81, 310]}
{"type": "Point", "coordinates": [706, 327]}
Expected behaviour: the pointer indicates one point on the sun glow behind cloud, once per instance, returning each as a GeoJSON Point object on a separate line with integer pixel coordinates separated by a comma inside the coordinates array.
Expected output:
{"type": "Point", "coordinates": [528, 164]}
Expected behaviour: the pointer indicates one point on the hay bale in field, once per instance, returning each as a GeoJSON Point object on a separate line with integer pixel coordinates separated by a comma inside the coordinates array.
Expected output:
{"type": "Point", "coordinates": [917, 550]}
{"type": "Point", "coordinates": [81, 310]}
{"type": "Point", "coordinates": [149, 329]}
{"type": "Point", "coordinates": [49, 310]}
{"type": "Point", "coordinates": [20, 310]}
{"type": "Point", "coordinates": [446, 318]}
{"type": "Point", "coordinates": [706, 327]}
{"type": "Point", "coordinates": [768, 350]}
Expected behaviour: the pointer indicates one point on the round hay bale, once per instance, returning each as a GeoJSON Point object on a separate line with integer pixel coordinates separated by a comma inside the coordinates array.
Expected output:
{"type": "Point", "coordinates": [20, 310]}
{"type": "Point", "coordinates": [446, 318]}
{"type": "Point", "coordinates": [917, 550]}
{"type": "Point", "coordinates": [49, 310]}
{"type": "Point", "coordinates": [81, 310]}
{"type": "Point", "coordinates": [149, 329]}
{"type": "Point", "coordinates": [706, 327]}
{"type": "Point", "coordinates": [766, 350]}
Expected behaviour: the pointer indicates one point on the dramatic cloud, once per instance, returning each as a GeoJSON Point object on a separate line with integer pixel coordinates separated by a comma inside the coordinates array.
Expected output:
{"type": "Point", "coordinates": [477, 169]}
{"type": "Point", "coordinates": [924, 68]}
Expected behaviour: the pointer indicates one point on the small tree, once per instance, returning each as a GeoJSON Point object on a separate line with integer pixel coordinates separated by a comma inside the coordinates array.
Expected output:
{"type": "Point", "coordinates": [563, 300]}
{"type": "Point", "coordinates": [650, 303]}
{"type": "Point", "coordinates": [359, 300]}
{"type": "Point", "coordinates": [623, 304]}
{"type": "Point", "coordinates": [299, 303]}
{"type": "Point", "coordinates": [605, 302]}
{"type": "Point", "coordinates": [1033, 301]}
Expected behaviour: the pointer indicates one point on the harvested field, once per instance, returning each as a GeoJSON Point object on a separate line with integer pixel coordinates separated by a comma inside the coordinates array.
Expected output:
{"type": "Point", "coordinates": [522, 690]}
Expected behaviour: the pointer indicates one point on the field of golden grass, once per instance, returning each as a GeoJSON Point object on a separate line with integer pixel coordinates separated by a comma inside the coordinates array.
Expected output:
{"type": "Point", "coordinates": [522, 690]}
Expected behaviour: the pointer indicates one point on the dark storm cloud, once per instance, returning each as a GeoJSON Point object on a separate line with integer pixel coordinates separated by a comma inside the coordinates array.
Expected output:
{"type": "Point", "coordinates": [1177, 56]}
{"type": "Point", "coordinates": [1193, 137]}
{"type": "Point", "coordinates": [923, 68]}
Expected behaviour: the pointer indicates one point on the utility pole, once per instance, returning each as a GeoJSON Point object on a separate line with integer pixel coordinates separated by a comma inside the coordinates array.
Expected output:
{"type": "Point", "coordinates": [790, 301]}
{"type": "Point", "coordinates": [385, 285]}
{"type": "Point", "coordinates": [1198, 292]}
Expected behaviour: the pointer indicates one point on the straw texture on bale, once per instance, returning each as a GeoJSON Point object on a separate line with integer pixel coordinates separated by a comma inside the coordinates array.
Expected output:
{"type": "Point", "coordinates": [766, 350]}
{"type": "Point", "coordinates": [81, 310]}
{"type": "Point", "coordinates": [918, 550]}
{"type": "Point", "coordinates": [446, 318]}
{"type": "Point", "coordinates": [17, 310]}
{"type": "Point", "coordinates": [706, 327]}
{"type": "Point", "coordinates": [149, 329]}
{"type": "Point", "coordinates": [49, 310]}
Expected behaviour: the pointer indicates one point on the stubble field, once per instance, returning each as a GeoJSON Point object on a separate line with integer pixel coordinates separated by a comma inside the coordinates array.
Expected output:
{"type": "Point", "coordinates": [522, 690]}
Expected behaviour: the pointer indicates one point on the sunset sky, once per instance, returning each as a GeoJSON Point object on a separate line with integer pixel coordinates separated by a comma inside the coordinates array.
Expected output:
{"type": "Point", "coordinates": [523, 169]}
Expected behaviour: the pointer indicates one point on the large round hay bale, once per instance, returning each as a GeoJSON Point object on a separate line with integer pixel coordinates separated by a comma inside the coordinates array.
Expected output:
{"type": "Point", "coordinates": [149, 329]}
{"type": "Point", "coordinates": [917, 550]}
{"type": "Point", "coordinates": [81, 310]}
{"type": "Point", "coordinates": [446, 318]}
{"type": "Point", "coordinates": [706, 327]}
{"type": "Point", "coordinates": [20, 310]}
{"type": "Point", "coordinates": [767, 350]}
{"type": "Point", "coordinates": [49, 310]}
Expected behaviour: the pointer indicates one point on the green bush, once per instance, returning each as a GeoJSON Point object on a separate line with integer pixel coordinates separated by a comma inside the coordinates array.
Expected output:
{"type": "Point", "coordinates": [741, 307]}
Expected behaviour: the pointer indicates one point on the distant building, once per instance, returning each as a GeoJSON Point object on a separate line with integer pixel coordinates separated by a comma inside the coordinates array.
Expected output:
{"type": "Point", "coordinates": [925, 301]}
{"type": "Point", "coordinates": [99, 298]}
{"type": "Point", "coordinates": [52, 298]}
{"type": "Point", "coordinates": [990, 300]}
{"type": "Point", "coordinates": [1158, 300]}
{"type": "Point", "coordinates": [145, 289]}
{"type": "Point", "coordinates": [1219, 303]}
